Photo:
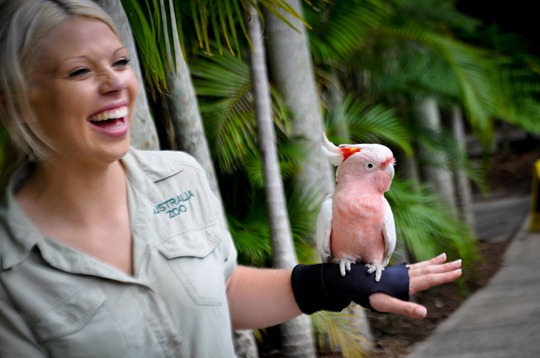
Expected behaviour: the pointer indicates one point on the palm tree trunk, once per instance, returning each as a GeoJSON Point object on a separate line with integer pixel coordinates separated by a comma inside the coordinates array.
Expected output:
{"type": "Point", "coordinates": [464, 196]}
{"type": "Point", "coordinates": [143, 130]}
{"type": "Point", "coordinates": [182, 101]}
{"type": "Point", "coordinates": [439, 175]}
{"type": "Point", "coordinates": [296, 336]}
{"type": "Point", "coordinates": [289, 61]}
{"type": "Point", "coordinates": [186, 119]}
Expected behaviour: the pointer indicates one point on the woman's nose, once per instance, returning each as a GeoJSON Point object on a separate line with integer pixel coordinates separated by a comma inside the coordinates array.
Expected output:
{"type": "Point", "coordinates": [112, 81]}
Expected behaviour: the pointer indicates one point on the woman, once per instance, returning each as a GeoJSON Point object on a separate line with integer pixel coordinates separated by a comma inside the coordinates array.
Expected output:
{"type": "Point", "coordinates": [110, 251]}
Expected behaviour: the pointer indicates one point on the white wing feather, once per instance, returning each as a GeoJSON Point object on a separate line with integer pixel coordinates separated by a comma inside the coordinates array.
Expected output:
{"type": "Point", "coordinates": [389, 232]}
{"type": "Point", "coordinates": [324, 229]}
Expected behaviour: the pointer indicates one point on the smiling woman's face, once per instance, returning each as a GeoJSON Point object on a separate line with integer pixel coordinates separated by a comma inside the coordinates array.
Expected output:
{"type": "Point", "coordinates": [82, 91]}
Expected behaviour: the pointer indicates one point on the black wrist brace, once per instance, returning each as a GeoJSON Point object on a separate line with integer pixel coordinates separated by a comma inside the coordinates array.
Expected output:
{"type": "Point", "coordinates": [321, 286]}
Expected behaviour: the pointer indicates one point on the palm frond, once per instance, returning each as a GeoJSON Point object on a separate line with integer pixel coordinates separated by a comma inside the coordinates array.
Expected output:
{"type": "Point", "coordinates": [472, 69]}
{"type": "Point", "coordinates": [252, 238]}
{"type": "Point", "coordinates": [415, 72]}
{"type": "Point", "coordinates": [340, 26]}
{"type": "Point", "coordinates": [219, 19]}
{"type": "Point", "coordinates": [368, 124]}
{"type": "Point", "coordinates": [501, 43]}
{"type": "Point", "coordinates": [303, 209]}
{"type": "Point", "coordinates": [341, 331]}
{"type": "Point", "coordinates": [426, 227]}
{"type": "Point", "coordinates": [439, 15]}
{"type": "Point", "coordinates": [528, 116]}
{"type": "Point", "coordinates": [521, 87]}
{"type": "Point", "coordinates": [223, 85]}
{"type": "Point", "coordinates": [211, 25]}
{"type": "Point", "coordinates": [147, 30]}
{"type": "Point", "coordinates": [224, 89]}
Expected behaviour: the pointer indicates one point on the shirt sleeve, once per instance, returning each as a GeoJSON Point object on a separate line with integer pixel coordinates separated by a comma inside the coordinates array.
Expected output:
{"type": "Point", "coordinates": [231, 256]}
{"type": "Point", "coordinates": [15, 336]}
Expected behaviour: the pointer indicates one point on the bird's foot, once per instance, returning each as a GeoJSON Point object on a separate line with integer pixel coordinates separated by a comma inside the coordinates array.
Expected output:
{"type": "Point", "coordinates": [345, 265]}
{"type": "Point", "coordinates": [377, 268]}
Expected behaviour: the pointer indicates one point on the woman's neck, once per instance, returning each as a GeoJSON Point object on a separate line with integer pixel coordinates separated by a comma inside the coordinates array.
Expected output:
{"type": "Point", "coordinates": [84, 209]}
{"type": "Point", "coordinates": [76, 192]}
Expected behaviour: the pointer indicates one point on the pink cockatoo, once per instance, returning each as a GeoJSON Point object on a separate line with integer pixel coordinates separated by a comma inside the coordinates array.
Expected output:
{"type": "Point", "coordinates": [355, 223]}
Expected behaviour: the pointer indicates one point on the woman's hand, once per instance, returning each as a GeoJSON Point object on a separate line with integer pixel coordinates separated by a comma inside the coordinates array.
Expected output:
{"type": "Point", "coordinates": [422, 275]}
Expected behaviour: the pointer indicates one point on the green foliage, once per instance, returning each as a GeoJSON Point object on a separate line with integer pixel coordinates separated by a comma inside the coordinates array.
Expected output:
{"type": "Point", "coordinates": [418, 48]}
{"type": "Point", "coordinates": [224, 90]}
{"type": "Point", "coordinates": [147, 28]}
{"type": "Point", "coordinates": [341, 332]}
{"type": "Point", "coordinates": [201, 25]}
{"type": "Point", "coordinates": [252, 237]}
{"type": "Point", "coordinates": [439, 15]}
{"type": "Point", "coordinates": [223, 86]}
{"type": "Point", "coordinates": [340, 27]}
{"type": "Point", "coordinates": [427, 227]}
{"type": "Point", "coordinates": [367, 124]}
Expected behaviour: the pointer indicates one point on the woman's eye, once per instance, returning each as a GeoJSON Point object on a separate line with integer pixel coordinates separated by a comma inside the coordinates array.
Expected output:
{"type": "Point", "coordinates": [123, 62]}
{"type": "Point", "coordinates": [79, 72]}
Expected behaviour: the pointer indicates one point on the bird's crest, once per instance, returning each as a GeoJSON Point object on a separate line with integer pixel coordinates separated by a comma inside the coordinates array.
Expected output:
{"type": "Point", "coordinates": [337, 155]}
{"type": "Point", "coordinates": [348, 151]}
{"type": "Point", "coordinates": [332, 152]}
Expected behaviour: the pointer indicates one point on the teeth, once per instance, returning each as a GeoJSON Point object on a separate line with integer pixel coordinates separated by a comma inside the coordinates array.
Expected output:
{"type": "Point", "coordinates": [117, 113]}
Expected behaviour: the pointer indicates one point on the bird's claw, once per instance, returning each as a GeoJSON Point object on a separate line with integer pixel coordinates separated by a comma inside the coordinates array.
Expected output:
{"type": "Point", "coordinates": [378, 269]}
{"type": "Point", "coordinates": [345, 266]}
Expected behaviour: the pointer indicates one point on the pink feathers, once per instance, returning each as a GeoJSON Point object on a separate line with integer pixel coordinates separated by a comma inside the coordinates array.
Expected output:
{"type": "Point", "coordinates": [356, 224]}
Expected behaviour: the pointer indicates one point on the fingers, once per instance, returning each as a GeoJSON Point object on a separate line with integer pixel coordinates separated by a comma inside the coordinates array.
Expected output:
{"type": "Point", "coordinates": [422, 275]}
{"type": "Point", "coordinates": [433, 272]}
{"type": "Point", "coordinates": [426, 281]}
{"type": "Point", "coordinates": [432, 269]}
{"type": "Point", "coordinates": [434, 261]}
{"type": "Point", "coordinates": [385, 303]}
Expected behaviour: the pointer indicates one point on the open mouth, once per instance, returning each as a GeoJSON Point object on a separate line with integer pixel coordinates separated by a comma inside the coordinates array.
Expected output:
{"type": "Point", "coordinates": [110, 119]}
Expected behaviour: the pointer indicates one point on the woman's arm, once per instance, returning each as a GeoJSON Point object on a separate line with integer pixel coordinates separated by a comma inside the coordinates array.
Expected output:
{"type": "Point", "coordinates": [261, 297]}
{"type": "Point", "coordinates": [264, 297]}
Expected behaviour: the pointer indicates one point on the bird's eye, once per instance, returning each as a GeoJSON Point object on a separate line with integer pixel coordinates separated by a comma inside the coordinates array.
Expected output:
{"type": "Point", "coordinates": [370, 165]}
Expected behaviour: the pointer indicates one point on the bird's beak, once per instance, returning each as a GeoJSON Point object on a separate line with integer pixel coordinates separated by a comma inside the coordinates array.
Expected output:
{"type": "Point", "coordinates": [390, 169]}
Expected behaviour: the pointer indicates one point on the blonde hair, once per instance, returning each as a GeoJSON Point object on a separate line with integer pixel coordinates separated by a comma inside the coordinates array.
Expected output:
{"type": "Point", "coordinates": [23, 23]}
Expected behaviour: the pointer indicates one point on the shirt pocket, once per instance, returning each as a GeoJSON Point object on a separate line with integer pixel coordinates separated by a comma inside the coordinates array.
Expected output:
{"type": "Point", "coordinates": [196, 258]}
{"type": "Point", "coordinates": [80, 326]}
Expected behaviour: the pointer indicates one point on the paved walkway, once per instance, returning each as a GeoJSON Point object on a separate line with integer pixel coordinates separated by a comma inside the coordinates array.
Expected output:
{"type": "Point", "coordinates": [501, 320]}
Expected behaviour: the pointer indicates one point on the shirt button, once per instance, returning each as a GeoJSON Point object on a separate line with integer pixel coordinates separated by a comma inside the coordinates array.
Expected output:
{"type": "Point", "coordinates": [71, 318]}
{"type": "Point", "coordinates": [142, 289]}
{"type": "Point", "coordinates": [173, 343]}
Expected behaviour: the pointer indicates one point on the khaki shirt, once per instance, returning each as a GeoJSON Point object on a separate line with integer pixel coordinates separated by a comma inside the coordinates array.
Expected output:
{"type": "Point", "coordinates": [56, 301]}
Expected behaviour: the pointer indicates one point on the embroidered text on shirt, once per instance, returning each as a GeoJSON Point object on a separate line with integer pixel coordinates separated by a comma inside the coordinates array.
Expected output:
{"type": "Point", "coordinates": [175, 205]}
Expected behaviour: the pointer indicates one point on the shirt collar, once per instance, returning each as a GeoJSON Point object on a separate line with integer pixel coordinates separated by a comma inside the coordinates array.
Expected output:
{"type": "Point", "coordinates": [19, 235]}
